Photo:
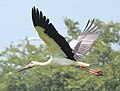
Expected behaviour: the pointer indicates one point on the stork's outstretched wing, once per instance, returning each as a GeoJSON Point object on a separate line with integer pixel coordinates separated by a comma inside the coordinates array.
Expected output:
{"type": "Point", "coordinates": [55, 42]}
{"type": "Point", "coordinates": [84, 42]}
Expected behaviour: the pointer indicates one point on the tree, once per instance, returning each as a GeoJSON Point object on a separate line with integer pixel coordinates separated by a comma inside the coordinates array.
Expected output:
{"type": "Point", "coordinates": [49, 78]}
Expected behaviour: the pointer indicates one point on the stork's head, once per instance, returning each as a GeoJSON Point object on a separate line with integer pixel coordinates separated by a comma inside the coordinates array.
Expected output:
{"type": "Point", "coordinates": [30, 65]}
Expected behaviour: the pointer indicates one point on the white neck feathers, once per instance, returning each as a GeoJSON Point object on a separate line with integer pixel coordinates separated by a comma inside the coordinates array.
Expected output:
{"type": "Point", "coordinates": [44, 63]}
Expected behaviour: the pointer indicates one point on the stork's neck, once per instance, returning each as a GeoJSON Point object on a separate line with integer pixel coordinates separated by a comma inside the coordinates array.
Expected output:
{"type": "Point", "coordinates": [45, 63]}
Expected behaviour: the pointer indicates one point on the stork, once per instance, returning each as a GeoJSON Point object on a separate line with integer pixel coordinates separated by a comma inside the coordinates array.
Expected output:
{"type": "Point", "coordinates": [61, 52]}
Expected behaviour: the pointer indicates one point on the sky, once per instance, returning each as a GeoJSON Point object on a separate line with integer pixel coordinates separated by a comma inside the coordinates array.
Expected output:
{"type": "Point", "coordinates": [16, 22]}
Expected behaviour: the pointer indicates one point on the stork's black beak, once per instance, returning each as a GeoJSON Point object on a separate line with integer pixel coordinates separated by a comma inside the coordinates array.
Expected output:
{"type": "Point", "coordinates": [25, 68]}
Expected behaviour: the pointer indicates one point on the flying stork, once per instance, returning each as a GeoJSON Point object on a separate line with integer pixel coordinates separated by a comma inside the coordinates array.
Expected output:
{"type": "Point", "coordinates": [61, 52]}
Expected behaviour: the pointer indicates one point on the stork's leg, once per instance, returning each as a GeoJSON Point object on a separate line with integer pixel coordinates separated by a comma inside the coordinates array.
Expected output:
{"type": "Point", "coordinates": [95, 72]}
{"type": "Point", "coordinates": [85, 66]}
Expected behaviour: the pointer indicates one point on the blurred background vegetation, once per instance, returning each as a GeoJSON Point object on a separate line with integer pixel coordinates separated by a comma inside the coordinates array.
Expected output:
{"type": "Point", "coordinates": [102, 56]}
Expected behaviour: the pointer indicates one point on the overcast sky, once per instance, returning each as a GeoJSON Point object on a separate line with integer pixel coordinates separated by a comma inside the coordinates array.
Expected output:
{"type": "Point", "coordinates": [16, 23]}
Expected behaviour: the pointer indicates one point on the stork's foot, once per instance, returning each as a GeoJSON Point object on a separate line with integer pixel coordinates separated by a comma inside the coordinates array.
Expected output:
{"type": "Point", "coordinates": [95, 72]}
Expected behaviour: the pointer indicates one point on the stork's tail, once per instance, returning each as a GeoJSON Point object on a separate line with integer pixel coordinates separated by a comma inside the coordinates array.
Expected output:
{"type": "Point", "coordinates": [82, 64]}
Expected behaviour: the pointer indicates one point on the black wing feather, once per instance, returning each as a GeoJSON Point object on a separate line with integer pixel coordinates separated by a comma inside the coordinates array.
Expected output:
{"type": "Point", "coordinates": [40, 20]}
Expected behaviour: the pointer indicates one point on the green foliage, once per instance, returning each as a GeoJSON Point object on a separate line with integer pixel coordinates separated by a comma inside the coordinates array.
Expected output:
{"type": "Point", "coordinates": [72, 29]}
{"type": "Point", "coordinates": [50, 78]}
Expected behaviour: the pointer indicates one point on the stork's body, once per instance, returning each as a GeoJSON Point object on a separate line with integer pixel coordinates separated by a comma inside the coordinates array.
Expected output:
{"type": "Point", "coordinates": [61, 52]}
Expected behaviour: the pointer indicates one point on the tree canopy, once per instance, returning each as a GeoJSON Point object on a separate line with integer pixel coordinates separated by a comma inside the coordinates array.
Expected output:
{"type": "Point", "coordinates": [102, 56]}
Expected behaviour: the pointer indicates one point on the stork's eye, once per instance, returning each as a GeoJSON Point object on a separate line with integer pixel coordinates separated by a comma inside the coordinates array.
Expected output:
{"type": "Point", "coordinates": [31, 63]}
